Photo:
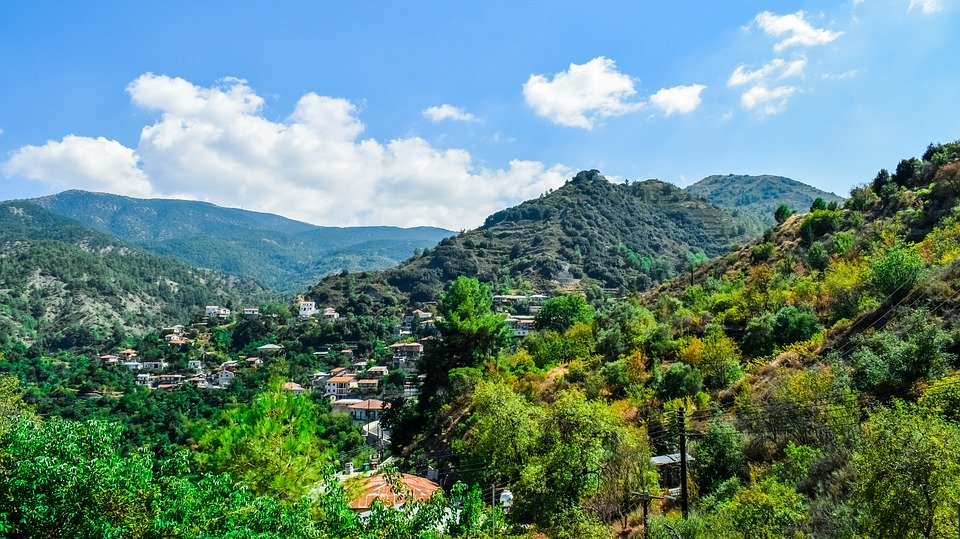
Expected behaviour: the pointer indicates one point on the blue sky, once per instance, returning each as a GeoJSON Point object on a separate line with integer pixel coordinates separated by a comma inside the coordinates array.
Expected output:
{"type": "Point", "coordinates": [441, 113]}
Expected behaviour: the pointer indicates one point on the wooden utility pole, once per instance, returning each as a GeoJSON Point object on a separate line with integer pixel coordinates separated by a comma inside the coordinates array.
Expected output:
{"type": "Point", "coordinates": [681, 424]}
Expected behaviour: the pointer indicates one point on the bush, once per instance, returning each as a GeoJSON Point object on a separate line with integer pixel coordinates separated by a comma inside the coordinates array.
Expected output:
{"type": "Point", "coordinates": [817, 256]}
{"type": "Point", "coordinates": [895, 273]}
{"type": "Point", "coordinates": [761, 251]}
{"type": "Point", "coordinates": [819, 223]}
{"type": "Point", "coordinates": [680, 380]}
{"type": "Point", "coordinates": [719, 456]}
{"type": "Point", "coordinates": [794, 324]}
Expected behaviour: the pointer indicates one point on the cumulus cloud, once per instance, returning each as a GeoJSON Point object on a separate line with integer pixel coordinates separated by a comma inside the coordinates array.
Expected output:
{"type": "Point", "coordinates": [583, 94]}
{"type": "Point", "coordinates": [94, 164]}
{"type": "Point", "coordinates": [681, 99]}
{"type": "Point", "coordinates": [439, 113]}
{"type": "Point", "coordinates": [213, 144]}
{"type": "Point", "coordinates": [927, 6]}
{"type": "Point", "coordinates": [778, 68]}
{"type": "Point", "coordinates": [767, 101]}
{"type": "Point", "coordinates": [795, 30]}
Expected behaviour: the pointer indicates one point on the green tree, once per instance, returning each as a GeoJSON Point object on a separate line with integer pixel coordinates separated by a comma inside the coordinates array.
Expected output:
{"type": "Point", "coordinates": [895, 272]}
{"type": "Point", "coordinates": [908, 474]}
{"type": "Point", "coordinates": [818, 204]}
{"type": "Point", "coordinates": [719, 456]}
{"type": "Point", "coordinates": [782, 213]}
{"type": "Point", "coordinates": [680, 380]}
{"type": "Point", "coordinates": [794, 324]}
{"type": "Point", "coordinates": [276, 444]}
{"type": "Point", "coordinates": [817, 256]}
{"type": "Point", "coordinates": [562, 312]}
{"type": "Point", "coordinates": [470, 332]}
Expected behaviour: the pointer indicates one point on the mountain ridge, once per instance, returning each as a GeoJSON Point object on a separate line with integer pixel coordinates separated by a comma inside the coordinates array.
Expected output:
{"type": "Point", "coordinates": [281, 253]}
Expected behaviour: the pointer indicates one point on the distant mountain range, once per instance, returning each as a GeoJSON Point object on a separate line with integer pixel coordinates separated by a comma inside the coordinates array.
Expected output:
{"type": "Point", "coordinates": [64, 284]}
{"type": "Point", "coordinates": [758, 196]}
{"type": "Point", "coordinates": [589, 231]}
{"type": "Point", "coordinates": [280, 253]}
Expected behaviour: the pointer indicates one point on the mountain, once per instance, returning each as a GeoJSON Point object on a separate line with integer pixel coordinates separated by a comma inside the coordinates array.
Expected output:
{"type": "Point", "coordinates": [589, 231]}
{"type": "Point", "coordinates": [280, 253]}
{"type": "Point", "coordinates": [758, 196]}
{"type": "Point", "coordinates": [65, 284]}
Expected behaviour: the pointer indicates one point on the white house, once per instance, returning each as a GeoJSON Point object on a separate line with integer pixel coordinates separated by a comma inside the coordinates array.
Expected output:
{"type": "Point", "coordinates": [195, 365]}
{"type": "Point", "coordinates": [329, 313]}
{"type": "Point", "coordinates": [251, 311]}
{"type": "Point", "coordinates": [133, 365]}
{"type": "Point", "coordinates": [145, 380]}
{"type": "Point", "coordinates": [223, 378]}
{"type": "Point", "coordinates": [339, 386]}
{"type": "Point", "coordinates": [154, 366]}
{"type": "Point", "coordinates": [307, 308]}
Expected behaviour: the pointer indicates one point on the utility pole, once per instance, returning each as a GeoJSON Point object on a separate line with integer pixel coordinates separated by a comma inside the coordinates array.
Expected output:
{"type": "Point", "coordinates": [681, 424]}
{"type": "Point", "coordinates": [646, 509]}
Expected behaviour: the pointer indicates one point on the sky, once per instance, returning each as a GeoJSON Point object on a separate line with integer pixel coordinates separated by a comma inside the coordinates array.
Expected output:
{"type": "Point", "coordinates": [441, 113]}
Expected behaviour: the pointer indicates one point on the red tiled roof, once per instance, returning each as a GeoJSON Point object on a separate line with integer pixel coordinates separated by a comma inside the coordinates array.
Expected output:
{"type": "Point", "coordinates": [375, 487]}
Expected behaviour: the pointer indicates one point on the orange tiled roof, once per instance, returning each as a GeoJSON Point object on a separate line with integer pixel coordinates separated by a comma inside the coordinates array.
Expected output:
{"type": "Point", "coordinates": [375, 487]}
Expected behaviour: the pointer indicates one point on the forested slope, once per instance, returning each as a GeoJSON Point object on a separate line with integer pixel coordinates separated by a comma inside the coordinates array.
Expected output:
{"type": "Point", "coordinates": [63, 284]}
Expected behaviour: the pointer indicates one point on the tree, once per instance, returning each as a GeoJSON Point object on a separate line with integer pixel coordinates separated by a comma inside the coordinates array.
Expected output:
{"type": "Point", "coordinates": [276, 444]}
{"type": "Point", "coordinates": [895, 272]}
{"type": "Point", "coordinates": [782, 213]}
{"type": "Point", "coordinates": [794, 324]}
{"type": "Point", "coordinates": [818, 204]}
{"type": "Point", "coordinates": [470, 332]}
{"type": "Point", "coordinates": [908, 475]}
{"type": "Point", "coordinates": [680, 380]}
{"type": "Point", "coordinates": [719, 456]}
{"type": "Point", "coordinates": [694, 261]}
{"type": "Point", "coordinates": [563, 311]}
{"type": "Point", "coordinates": [817, 256]}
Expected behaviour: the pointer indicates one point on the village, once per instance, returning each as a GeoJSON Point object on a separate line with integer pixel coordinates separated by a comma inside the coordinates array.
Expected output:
{"type": "Point", "coordinates": [358, 388]}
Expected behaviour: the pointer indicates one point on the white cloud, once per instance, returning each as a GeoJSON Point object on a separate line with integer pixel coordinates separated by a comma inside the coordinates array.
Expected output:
{"type": "Point", "coordinates": [794, 29]}
{"type": "Point", "coordinates": [765, 100]}
{"type": "Point", "coordinates": [927, 6]}
{"type": "Point", "coordinates": [439, 113]}
{"type": "Point", "coordinates": [213, 144]}
{"type": "Point", "coordinates": [583, 94]}
{"type": "Point", "coordinates": [778, 68]}
{"type": "Point", "coordinates": [682, 99]}
{"type": "Point", "coordinates": [94, 164]}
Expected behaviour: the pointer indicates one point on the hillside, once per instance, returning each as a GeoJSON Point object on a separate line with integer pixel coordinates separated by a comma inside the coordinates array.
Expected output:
{"type": "Point", "coordinates": [280, 253]}
{"type": "Point", "coordinates": [65, 284]}
{"type": "Point", "coordinates": [806, 366]}
{"type": "Point", "coordinates": [758, 196]}
{"type": "Point", "coordinates": [589, 232]}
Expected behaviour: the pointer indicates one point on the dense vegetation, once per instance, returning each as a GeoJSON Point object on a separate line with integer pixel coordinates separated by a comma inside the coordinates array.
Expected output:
{"type": "Point", "coordinates": [590, 232]}
{"type": "Point", "coordinates": [757, 197]}
{"type": "Point", "coordinates": [64, 285]}
{"type": "Point", "coordinates": [816, 369]}
{"type": "Point", "coordinates": [282, 254]}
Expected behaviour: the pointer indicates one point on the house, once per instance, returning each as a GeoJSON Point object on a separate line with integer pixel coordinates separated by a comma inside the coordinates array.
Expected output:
{"type": "Point", "coordinates": [406, 355]}
{"type": "Point", "coordinates": [127, 354]}
{"type": "Point", "coordinates": [254, 362]}
{"type": "Point", "coordinates": [172, 380]}
{"type": "Point", "coordinates": [368, 386]}
{"type": "Point", "coordinates": [172, 330]}
{"type": "Point", "coordinates": [195, 365]}
{"type": "Point", "coordinates": [250, 312]}
{"type": "Point", "coordinates": [521, 325]}
{"type": "Point", "coordinates": [154, 365]}
{"type": "Point", "coordinates": [339, 386]}
{"type": "Point", "coordinates": [319, 379]}
{"type": "Point", "coordinates": [330, 314]}
{"type": "Point", "coordinates": [133, 365]}
{"type": "Point", "coordinates": [216, 311]}
{"type": "Point", "coordinates": [342, 406]}
{"type": "Point", "coordinates": [109, 358]}
{"type": "Point", "coordinates": [377, 487]}
{"type": "Point", "coordinates": [177, 340]}
{"type": "Point", "coordinates": [270, 349]}
{"type": "Point", "coordinates": [223, 378]}
{"type": "Point", "coordinates": [307, 308]}
{"type": "Point", "coordinates": [367, 410]}
{"type": "Point", "coordinates": [145, 380]}
{"type": "Point", "coordinates": [294, 388]}
{"type": "Point", "coordinates": [378, 372]}
{"type": "Point", "coordinates": [668, 467]}
{"type": "Point", "coordinates": [229, 365]}
{"type": "Point", "coordinates": [519, 303]}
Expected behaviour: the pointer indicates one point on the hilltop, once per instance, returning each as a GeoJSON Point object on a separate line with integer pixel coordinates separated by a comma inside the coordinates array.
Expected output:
{"type": "Point", "coordinates": [65, 284]}
{"type": "Point", "coordinates": [589, 233]}
{"type": "Point", "coordinates": [282, 254]}
{"type": "Point", "coordinates": [758, 196]}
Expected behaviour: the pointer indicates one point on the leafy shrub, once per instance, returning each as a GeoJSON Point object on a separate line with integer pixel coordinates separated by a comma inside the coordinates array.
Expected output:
{"type": "Point", "coordinates": [818, 223]}
{"type": "Point", "coordinates": [794, 324]}
{"type": "Point", "coordinates": [817, 256]}
{"type": "Point", "coordinates": [896, 271]}
{"type": "Point", "coordinates": [680, 380]}
{"type": "Point", "coordinates": [761, 251]}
